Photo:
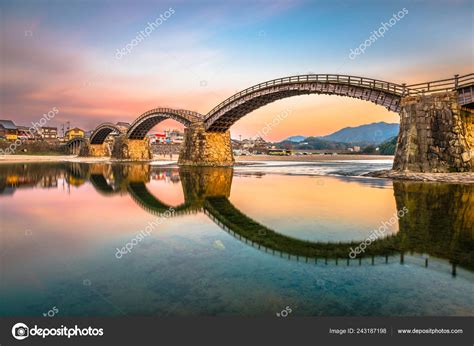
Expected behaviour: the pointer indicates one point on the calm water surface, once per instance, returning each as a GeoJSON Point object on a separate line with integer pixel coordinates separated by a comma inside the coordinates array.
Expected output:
{"type": "Point", "coordinates": [249, 241]}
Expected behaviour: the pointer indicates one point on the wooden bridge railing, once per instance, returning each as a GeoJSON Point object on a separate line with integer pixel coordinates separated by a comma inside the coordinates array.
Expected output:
{"type": "Point", "coordinates": [457, 82]}
{"type": "Point", "coordinates": [398, 89]}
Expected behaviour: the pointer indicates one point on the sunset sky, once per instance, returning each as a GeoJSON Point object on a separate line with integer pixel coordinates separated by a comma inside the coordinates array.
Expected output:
{"type": "Point", "coordinates": [64, 54]}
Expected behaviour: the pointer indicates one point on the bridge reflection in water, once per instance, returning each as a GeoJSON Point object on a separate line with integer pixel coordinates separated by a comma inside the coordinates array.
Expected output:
{"type": "Point", "coordinates": [439, 222]}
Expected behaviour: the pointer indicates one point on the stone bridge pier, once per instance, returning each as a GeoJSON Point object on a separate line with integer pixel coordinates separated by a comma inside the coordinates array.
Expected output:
{"type": "Point", "coordinates": [436, 135]}
{"type": "Point", "coordinates": [205, 148]}
{"type": "Point", "coordinates": [131, 149]}
{"type": "Point", "coordinates": [95, 150]}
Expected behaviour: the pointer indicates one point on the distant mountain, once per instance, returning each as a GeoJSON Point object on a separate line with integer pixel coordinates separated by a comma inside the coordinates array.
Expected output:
{"type": "Point", "coordinates": [311, 143]}
{"type": "Point", "coordinates": [374, 133]}
{"type": "Point", "coordinates": [295, 139]}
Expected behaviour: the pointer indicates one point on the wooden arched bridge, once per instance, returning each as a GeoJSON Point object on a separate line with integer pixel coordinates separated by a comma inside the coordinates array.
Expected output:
{"type": "Point", "coordinates": [436, 121]}
{"type": "Point", "coordinates": [148, 120]}
{"type": "Point", "coordinates": [105, 129]}
{"type": "Point", "coordinates": [383, 93]}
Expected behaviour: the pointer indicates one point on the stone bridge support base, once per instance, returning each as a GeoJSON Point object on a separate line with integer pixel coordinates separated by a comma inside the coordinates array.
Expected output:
{"type": "Point", "coordinates": [201, 148]}
{"type": "Point", "coordinates": [131, 149]}
{"type": "Point", "coordinates": [436, 135]}
{"type": "Point", "coordinates": [95, 150]}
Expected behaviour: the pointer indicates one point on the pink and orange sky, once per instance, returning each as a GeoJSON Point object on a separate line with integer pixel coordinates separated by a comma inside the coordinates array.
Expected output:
{"type": "Point", "coordinates": [63, 54]}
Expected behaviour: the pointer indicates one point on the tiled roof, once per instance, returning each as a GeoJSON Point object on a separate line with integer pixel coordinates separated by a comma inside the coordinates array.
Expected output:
{"type": "Point", "coordinates": [8, 124]}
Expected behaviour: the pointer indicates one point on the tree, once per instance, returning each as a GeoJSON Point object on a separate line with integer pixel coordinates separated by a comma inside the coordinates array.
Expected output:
{"type": "Point", "coordinates": [370, 149]}
{"type": "Point", "coordinates": [388, 147]}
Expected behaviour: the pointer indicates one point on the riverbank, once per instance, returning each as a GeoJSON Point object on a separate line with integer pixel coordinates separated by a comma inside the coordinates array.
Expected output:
{"type": "Point", "coordinates": [458, 178]}
{"type": "Point", "coordinates": [312, 158]}
{"type": "Point", "coordinates": [49, 158]}
{"type": "Point", "coordinates": [243, 161]}
{"type": "Point", "coordinates": [70, 158]}
{"type": "Point", "coordinates": [246, 159]}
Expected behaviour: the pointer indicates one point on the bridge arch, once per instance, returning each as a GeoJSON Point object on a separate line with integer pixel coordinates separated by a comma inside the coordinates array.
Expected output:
{"type": "Point", "coordinates": [152, 204]}
{"type": "Point", "coordinates": [103, 130]}
{"type": "Point", "coordinates": [74, 145]}
{"type": "Point", "coordinates": [100, 183]}
{"type": "Point", "coordinates": [145, 122]}
{"type": "Point", "coordinates": [224, 115]}
{"type": "Point", "coordinates": [221, 211]}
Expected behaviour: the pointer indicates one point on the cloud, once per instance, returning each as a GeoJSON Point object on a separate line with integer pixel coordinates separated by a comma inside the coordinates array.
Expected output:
{"type": "Point", "coordinates": [196, 59]}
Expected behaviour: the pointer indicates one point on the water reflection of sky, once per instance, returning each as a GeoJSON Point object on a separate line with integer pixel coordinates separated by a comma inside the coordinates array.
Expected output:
{"type": "Point", "coordinates": [53, 239]}
{"type": "Point", "coordinates": [315, 208]}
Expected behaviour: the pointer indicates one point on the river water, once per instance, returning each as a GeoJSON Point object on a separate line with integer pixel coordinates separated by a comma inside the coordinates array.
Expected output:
{"type": "Point", "coordinates": [140, 239]}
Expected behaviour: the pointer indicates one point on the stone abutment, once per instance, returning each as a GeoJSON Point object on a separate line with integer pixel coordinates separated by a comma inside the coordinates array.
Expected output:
{"type": "Point", "coordinates": [436, 135]}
